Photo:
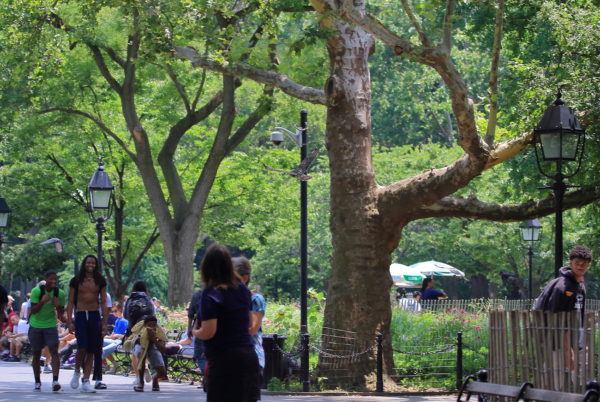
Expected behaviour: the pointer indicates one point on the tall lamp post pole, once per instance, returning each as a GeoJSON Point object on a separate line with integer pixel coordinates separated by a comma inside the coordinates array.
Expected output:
{"type": "Point", "coordinates": [99, 191]}
{"type": "Point", "coordinates": [304, 256]}
{"type": "Point", "coordinates": [530, 232]}
{"type": "Point", "coordinates": [300, 139]}
{"type": "Point", "coordinates": [560, 138]}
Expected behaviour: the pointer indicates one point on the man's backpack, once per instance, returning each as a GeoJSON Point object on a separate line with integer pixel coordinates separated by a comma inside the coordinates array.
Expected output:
{"type": "Point", "coordinates": [138, 308]}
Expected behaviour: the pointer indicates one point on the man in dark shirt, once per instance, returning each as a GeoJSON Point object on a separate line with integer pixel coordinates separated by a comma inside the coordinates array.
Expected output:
{"type": "Point", "coordinates": [567, 292]}
{"type": "Point", "coordinates": [563, 294]}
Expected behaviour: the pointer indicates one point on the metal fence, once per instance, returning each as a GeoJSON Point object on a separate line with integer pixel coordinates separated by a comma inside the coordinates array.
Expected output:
{"type": "Point", "coordinates": [487, 305]}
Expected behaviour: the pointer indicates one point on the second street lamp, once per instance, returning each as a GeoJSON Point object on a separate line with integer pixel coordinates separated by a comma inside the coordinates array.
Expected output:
{"type": "Point", "coordinates": [530, 231]}
{"type": "Point", "coordinates": [299, 138]}
{"type": "Point", "coordinates": [560, 138]}
{"type": "Point", "coordinates": [99, 193]}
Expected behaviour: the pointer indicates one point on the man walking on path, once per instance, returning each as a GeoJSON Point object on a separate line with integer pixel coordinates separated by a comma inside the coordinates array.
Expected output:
{"type": "Point", "coordinates": [87, 296]}
{"type": "Point", "coordinates": [47, 301]}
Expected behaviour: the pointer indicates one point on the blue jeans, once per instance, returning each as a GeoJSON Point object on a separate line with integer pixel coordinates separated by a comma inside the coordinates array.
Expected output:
{"type": "Point", "coordinates": [110, 347]}
{"type": "Point", "coordinates": [199, 356]}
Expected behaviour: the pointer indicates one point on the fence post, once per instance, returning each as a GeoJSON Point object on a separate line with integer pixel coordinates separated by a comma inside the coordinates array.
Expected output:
{"type": "Point", "coordinates": [305, 380]}
{"type": "Point", "coordinates": [459, 360]}
{"type": "Point", "coordinates": [379, 384]}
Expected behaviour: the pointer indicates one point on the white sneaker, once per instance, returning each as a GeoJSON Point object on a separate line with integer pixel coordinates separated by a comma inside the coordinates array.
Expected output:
{"type": "Point", "coordinates": [75, 379]}
{"type": "Point", "coordinates": [55, 386]}
{"type": "Point", "coordinates": [86, 387]}
{"type": "Point", "coordinates": [38, 387]}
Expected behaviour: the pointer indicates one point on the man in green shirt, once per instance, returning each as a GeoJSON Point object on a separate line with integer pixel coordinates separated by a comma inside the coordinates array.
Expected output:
{"type": "Point", "coordinates": [46, 302]}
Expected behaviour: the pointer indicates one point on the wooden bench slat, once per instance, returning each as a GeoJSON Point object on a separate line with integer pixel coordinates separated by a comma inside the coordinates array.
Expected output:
{"type": "Point", "coordinates": [494, 389]}
{"type": "Point", "coordinates": [512, 391]}
{"type": "Point", "coordinates": [552, 396]}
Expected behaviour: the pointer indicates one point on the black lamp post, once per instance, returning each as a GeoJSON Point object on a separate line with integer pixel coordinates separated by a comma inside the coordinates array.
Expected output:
{"type": "Point", "coordinates": [299, 138]}
{"type": "Point", "coordinates": [99, 194]}
{"type": "Point", "coordinates": [560, 138]}
{"type": "Point", "coordinates": [4, 213]}
{"type": "Point", "coordinates": [530, 231]}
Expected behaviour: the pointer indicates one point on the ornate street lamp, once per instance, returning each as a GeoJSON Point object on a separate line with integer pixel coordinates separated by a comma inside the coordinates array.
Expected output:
{"type": "Point", "coordinates": [530, 231]}
{"type": "Point", "coordinates": [559, 138]}
{"type": "Point", "coordinates": [299, 139]}
{"type": "Point", "coordinates": [99, 200]}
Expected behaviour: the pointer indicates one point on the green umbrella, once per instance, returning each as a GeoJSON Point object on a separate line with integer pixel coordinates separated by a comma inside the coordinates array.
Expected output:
{"type": "Point", "coordinates": [406, 277]}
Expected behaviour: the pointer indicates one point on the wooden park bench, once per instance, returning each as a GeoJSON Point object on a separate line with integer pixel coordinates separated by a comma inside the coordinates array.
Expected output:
{"type": "Point", "coordinates": [478, 385]}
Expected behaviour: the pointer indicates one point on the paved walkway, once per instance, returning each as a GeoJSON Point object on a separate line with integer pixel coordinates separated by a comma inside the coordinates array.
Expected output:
{"type": "Point", "coordinates": [16, 385]}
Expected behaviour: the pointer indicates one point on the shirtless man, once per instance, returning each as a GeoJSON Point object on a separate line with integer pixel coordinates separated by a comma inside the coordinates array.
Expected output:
{"type": "Point", "coordinates": [89, 326]}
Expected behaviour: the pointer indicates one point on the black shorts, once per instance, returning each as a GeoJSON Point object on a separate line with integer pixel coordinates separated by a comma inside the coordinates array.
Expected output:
{"type": "Point", "coordinates": [239, 364]}
{"type": "Point", "coordinates": [41, 337]}
{"type": "Point", "coordinates": [88, 330]}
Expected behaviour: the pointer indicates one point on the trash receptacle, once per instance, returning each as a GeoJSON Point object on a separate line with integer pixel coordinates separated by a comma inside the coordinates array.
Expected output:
{"type": "Point", "coordinates": [273, 358]}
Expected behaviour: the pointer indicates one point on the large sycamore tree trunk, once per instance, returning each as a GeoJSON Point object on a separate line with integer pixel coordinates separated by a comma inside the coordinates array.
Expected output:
{"type": "Point", "coordinates": [367, 219]}
{"type": "Point", "coordinates": [360, 282]}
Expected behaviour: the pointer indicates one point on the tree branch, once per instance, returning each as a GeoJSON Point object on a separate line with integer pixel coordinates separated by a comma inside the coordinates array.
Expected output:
{"type": "Point", "coordinates": [66, 174]}
{"type": "Point", "coordinates": [104, 70]}
{"type": "Point", "coordinates": [136, 264]}
{"type": "Point", "coordinates": [167, 153]}
{"type": "Point", "coordinates": [114, 56]}
{"type": "Point", "coordinates": [491, 128]}
{"type": "Point", "coordinates": [200, 90]}
{"type": "Point", "coordinates": [399, 45]}
{"type": "Point", "coordinates": [434, 184]}
{"type": "Point", "coordinates": [243, 70]}
{"type": "Point", "coordinates": [98, 123]}
{"type": "Point", "coordinates": [180, 88]}
{"type": "Point", "coordinates": [219, 148]}
{"type": "Point", "coordinates": [126, 249]}
{"type": "Point", "coordinates": [264, 107]}
{"type": "Point", "coordinates": [447, 28]}
{"type": "Point", "coordinates": [128, 94]}
{"type": "Point", "coordinates": [473, 208]}
{"type": "Point", "coordinates": [415, 22]}
{"type": "Point", "coordinates": [507, 149]}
